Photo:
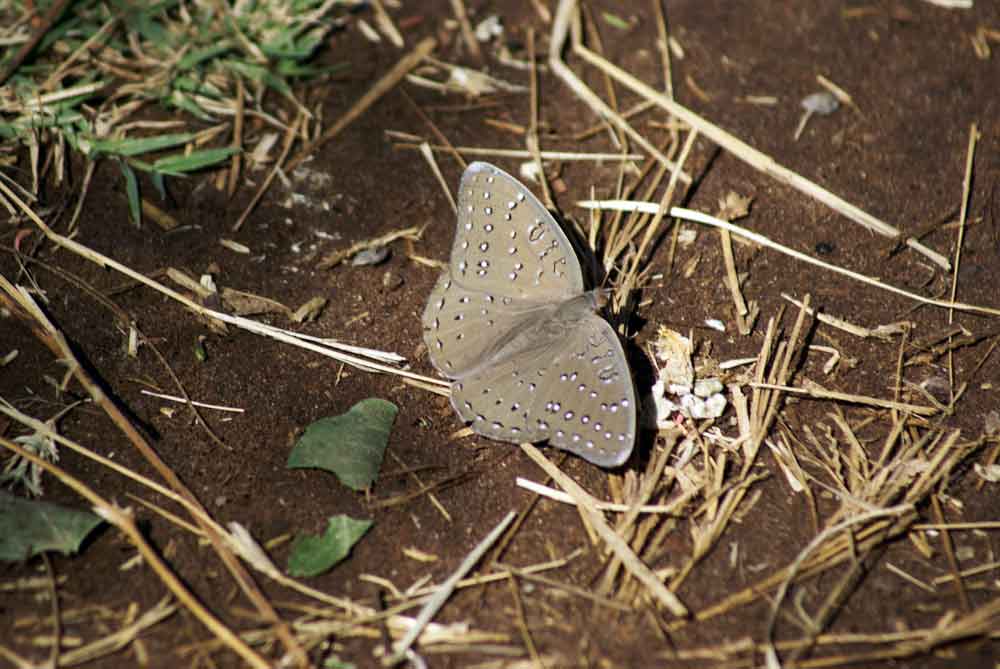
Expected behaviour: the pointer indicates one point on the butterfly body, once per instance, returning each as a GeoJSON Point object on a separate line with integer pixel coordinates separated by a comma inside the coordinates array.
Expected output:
{"type": "Point", "coordinates": [509, 322]}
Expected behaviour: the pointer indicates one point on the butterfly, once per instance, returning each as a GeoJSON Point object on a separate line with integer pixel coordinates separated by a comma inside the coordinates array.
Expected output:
{"type": "Point", "coordinates": [510, 323]}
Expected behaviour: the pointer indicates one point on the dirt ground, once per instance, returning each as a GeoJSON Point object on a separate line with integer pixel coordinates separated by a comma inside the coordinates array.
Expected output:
{"type": "Point", "coordinates": [900, 155]}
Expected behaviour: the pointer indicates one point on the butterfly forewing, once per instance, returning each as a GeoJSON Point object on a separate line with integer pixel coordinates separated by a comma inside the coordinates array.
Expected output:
{"type": "Point", "coordinates": [507, 243]}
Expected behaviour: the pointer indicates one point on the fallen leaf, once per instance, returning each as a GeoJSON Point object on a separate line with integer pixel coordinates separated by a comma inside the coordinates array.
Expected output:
{"type": "Point", "coordinates": [30, 527]}
{"type": "Point", "coordinates": [312, 555]}
{"type": "Point", "coordinates": [350, 445]}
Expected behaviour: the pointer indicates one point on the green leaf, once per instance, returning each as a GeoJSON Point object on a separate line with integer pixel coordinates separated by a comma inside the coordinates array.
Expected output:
{"type": "Point", "coordinates": [28, 528]}
{"type": "Point", "coordinates": [159, 183]}
{"type": "Point", "coordinates": [179, 163]}
{"type": "Point", "coordinates": [185, 102]}
{"type": "Point", "coordinates": [132, 190]}
{"type": "Point", "coordinates": [260, 74]}
{"type": "Point", "coordinates": [350, 445]}
{"type": "Point", "coordinates": [135, 146]}
{"type": "Point", "coordinates": [312, 555]}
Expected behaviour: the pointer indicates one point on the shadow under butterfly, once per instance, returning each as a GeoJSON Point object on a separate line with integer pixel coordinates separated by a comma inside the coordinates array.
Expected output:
{"type": "Point", "coordinates": [512, 326]}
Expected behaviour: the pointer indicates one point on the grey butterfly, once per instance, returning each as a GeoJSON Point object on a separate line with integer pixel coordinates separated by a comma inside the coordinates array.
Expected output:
{"type": "Point", "coordinates": [510, 324]}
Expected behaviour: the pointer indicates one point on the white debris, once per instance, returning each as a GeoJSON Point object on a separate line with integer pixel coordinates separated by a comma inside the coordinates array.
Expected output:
{"type": "Point", "coordinates": [705, 388]}
{"type": "Point", "coordinates": [489, 28]}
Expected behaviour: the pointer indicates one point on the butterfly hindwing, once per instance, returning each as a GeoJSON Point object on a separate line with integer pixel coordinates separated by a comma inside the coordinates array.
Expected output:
{"type": "Point", "coordinates": [574, 390]}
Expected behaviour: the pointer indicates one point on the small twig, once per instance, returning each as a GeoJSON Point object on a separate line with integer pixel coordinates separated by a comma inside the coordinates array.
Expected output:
{"type": "Point", "coordinates": [182, 400]}
{"type": "Point", "coordinates": [122, 519]}
{"type": "Point", "coordinates": [565, 587]}
{"type": "Point", "coordinates": [565, 498]}
{"type": "Point", "coordinates": [468, 36]}
{"type": "Point", "coordinates": [884, 332]}
{"type": "Point", "coordinates": [430, 495]}
{"type": "Point", "coordinates": [732, 280]}
{"type": "Point", "coordinates": [618, 546]}
{"type": "Point", "coordinates": [531, 138]}
{"type": "Point", "coordinates": [371, 96]}
{"type": "Point", "coordinates": [425, 150]}
{"type": "Point", "coordinates": [963, 214]}
{"type": "Point", "coordinates": [56, 617]}
{"type": "Point", "coordinates": [289, 141]}
{"type": "Point", "coordinates": [522, 622]}
{"type": "Point", "coordinates": [917, 409]}
{"type": "Point", "coordinates": [444, 591]}
{"type": "Point", "coordinates": [48, 21]}
{"type": "Point", "coordinates": [699, 217]}
{"type": "Point", "coordinates": [236, 160]}
{"type": "Point", "coordinates": [561, 156]}
{"type": "Point", "coordinates": [384, 21]}
{"type": "Point", "coordinates": [949, 551]}
{"type": "Point", "coordinates": [445, 145]}
{"type": "Point", "coordinates": [663, 46]}
{"type": "Point", "coordinates": [337, 257]}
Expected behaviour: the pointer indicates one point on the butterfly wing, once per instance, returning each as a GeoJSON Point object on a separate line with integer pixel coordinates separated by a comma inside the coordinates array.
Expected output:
{"type": "Point", "coordinates": [570, 386]}
{"type": "Point", "coordinates": [465, 329]}
{"type": "Point", "coordinates": [507, 243]}
{"type": "Point", "coordinates": [511, 263]}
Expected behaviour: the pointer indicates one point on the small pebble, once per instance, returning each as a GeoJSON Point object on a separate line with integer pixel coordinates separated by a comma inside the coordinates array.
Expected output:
{"type": "Point", "coordinates": [822, 103]}
{"type": "Point", "coordinates": [371, 256]}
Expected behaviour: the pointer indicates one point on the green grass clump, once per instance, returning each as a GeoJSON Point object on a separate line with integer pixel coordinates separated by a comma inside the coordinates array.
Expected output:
{"type": "Point", "coordinates": [99, 63]}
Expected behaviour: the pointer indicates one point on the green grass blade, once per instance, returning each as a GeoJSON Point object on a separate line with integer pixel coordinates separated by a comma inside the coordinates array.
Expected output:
{"type": "Point", "coordinates": [132, 191]}
{"type": "Point", "coordinates": [180, 164]}
{"type": "Point", "coordinates": [136, 146]}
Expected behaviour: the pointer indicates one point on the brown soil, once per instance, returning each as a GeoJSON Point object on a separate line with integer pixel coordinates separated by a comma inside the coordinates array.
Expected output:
{"type": "Point", "coordinates": [918, 85]}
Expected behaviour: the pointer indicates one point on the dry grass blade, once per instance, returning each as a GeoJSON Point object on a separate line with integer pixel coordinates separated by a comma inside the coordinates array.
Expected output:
{"type": "Point", "coordinates": [561, 156]}
{"type": "Point", "coordinates": [964, 212]}
{"type": "Point", "coordinates": [425, 151]}
{"type": "Point", "coordinates": [700, 217]}
{"type": "Point", "coordinates": [468, 36]}
{"type": "Point", "coordinates": [380, 88]}
{"type": "Point", "coordinates": [22, 305]}
{"type": "Point", "coordinates": [444, 591]}
{"type": "Point", "coordinates": [630, 560]}
{"type": "Point", "coordinates": [565, 498]}
{"type": "Point", "coordinates": [820, 393]}
{"type": "Point", "coordinates": [122, 519]}
{"type": "Point", "coordinates": [323, 347]}
{"type": "Point", "coordinates": [740, 149]}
